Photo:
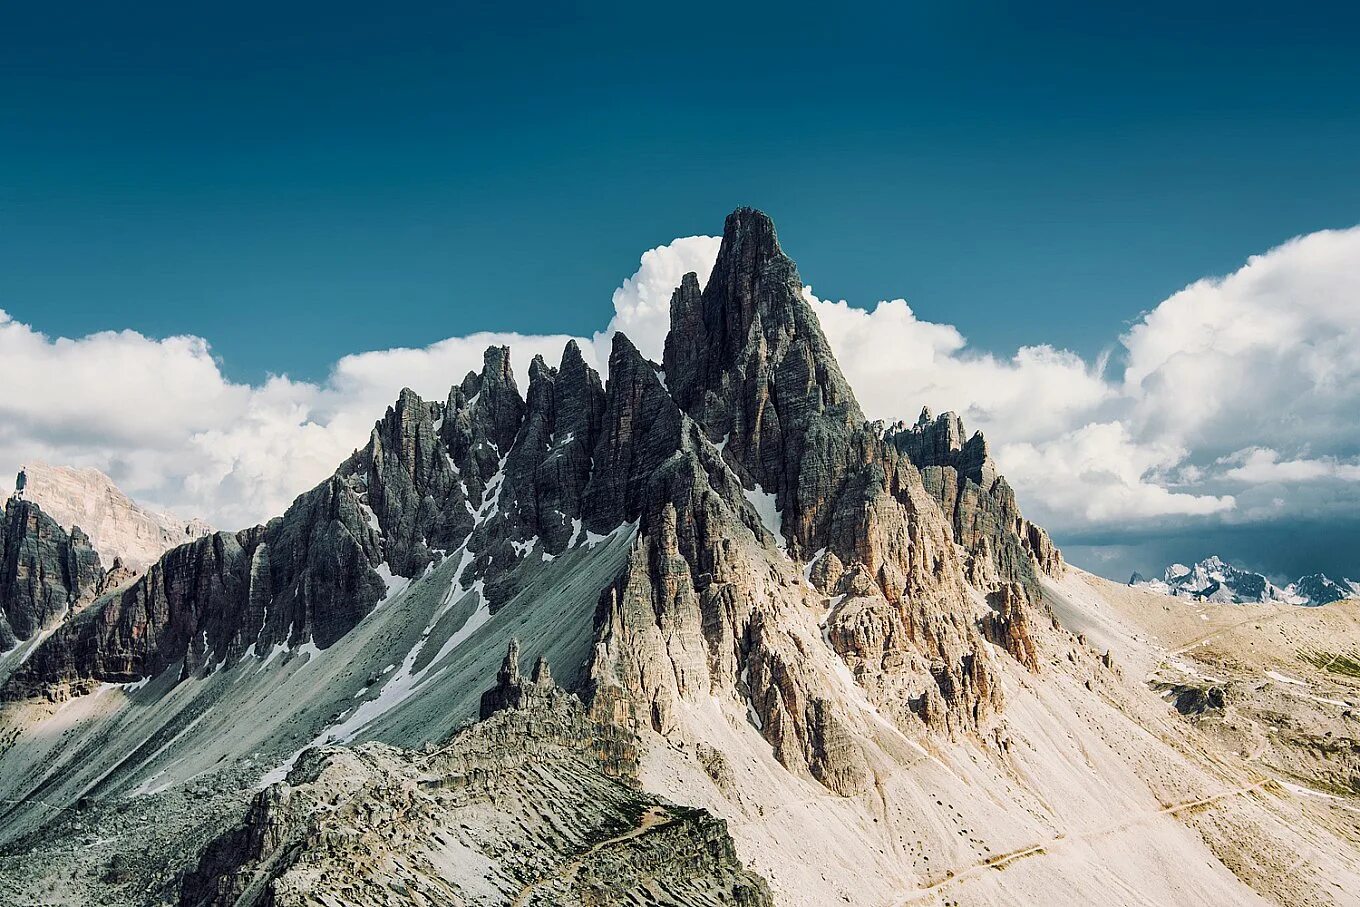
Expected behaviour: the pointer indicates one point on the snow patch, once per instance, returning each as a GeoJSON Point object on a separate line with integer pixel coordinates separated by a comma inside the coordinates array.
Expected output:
{"type": "Point", "coordinates": [370, 517]}
{"type": "Point", "coordinates": [807, 568]}
{"type": "Point", "coordinates": [135, 685]}
{"type": "Point", "coordinates": [1285, 678]}
{"type": "Point", "coordinates": [395, 584]}
{"type": "Point", "coordinates": [525, 547]}
{"type": "Point", "coordinates": [767, 508]}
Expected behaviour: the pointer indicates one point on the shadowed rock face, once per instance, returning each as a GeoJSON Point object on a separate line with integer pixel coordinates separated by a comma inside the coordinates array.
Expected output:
{"type": "Point", "coordinates": [44, 570]}
{"type": "Point", "coordinates": [748, 361]}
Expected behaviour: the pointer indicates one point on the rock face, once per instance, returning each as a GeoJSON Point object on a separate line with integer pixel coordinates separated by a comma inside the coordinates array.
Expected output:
{"type": "Point", "coordinates": [44, 571]}
{"type": "Point", "coordinates": [1002, 545]}
{"type": "Point", "coordinates": [118, 527]}
{"type": "Point", "coordinates": [309, 575]}
{"type": "Point", "coordinates": [746, 359]}
{"type": "Point", "coordinates": [536, 805]}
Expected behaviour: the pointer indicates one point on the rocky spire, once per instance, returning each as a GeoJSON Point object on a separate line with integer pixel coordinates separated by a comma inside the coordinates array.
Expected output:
{"type": "Point", "coordinates": [550, 462]}
{"type": "Point", "coordinates": [748, 360]}
{"type": "Point", "coordinates": [509, 672]}
{"type": "Point", "coordinates": [542, 676]}
{"type": "Point", "coordinates": [512, 692]}
{"type": "Point", "coordinates": [403, 467]}
{"type": "Point", "coordinates": [639, 430]}
{"type": "Point", "coordinates": [482, 418]}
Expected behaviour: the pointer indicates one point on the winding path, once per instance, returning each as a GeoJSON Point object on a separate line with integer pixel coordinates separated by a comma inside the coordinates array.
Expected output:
{"type": "Point", "coordinates": [999, 862]}
{"type": "Point", "coordinates": [654, 818]}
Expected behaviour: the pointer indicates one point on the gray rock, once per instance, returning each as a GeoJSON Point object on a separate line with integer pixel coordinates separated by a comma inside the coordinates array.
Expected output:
{"type": "Point", "coordinates": [44, 570]}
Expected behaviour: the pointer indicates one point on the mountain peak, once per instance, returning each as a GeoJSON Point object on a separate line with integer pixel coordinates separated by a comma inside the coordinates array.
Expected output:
{"type": "Point", "coordinates": [117, 525]}
{"type": "Point", "coordinates": [752, 230]}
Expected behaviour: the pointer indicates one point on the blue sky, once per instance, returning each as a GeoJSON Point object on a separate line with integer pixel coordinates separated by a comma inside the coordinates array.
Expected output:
{"type": "Point", "coordinates": [359, 176]}
{"type": "Point", "coordinates": [300, 182]}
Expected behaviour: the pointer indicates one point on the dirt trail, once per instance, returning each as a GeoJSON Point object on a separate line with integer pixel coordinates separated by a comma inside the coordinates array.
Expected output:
{"type": "Point", "coordinates": [655, 817]}
{"type": "Point", "coordinates": [1269, 618]}
{"type": "Point", "coordinates": [999, 862]}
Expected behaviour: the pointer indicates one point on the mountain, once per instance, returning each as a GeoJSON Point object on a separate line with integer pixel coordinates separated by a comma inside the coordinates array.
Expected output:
{"type": "Point", "coordinates": [781, 654]}
{"type": "Point", "coordinates": [1215, 580]}
{"type": "Point", "coordinates": [117, 526]}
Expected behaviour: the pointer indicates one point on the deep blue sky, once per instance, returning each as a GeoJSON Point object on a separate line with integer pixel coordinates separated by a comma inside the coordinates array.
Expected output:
{"type": "Point", "coordinates": [300, 181]}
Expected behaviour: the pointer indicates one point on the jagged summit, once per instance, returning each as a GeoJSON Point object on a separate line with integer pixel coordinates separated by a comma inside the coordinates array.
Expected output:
{"type": "Point", "coordinates": [753, 299]}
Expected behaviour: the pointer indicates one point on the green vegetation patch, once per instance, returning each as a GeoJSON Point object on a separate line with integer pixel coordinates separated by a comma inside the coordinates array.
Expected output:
{"type": "Point", "coordinates": [1345, 664]}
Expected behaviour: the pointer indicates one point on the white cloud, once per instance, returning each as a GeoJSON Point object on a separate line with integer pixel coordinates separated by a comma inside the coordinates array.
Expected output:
{"type": "Point", "coordinates": [642, 304]}
{"type": "Point", "coordinates": [1099, 475]}
{"type": "Point", "coordinates": [1269, 355]}
{"type": "Point", "coordinates": [1230, 387]}
{"type": "Point", "coordinates": [1263, 466]}
{"type": "Point", "coordinates": [897, 364]}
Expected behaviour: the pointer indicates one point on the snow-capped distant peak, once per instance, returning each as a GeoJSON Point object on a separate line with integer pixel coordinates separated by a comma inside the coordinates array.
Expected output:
{"type": "Point", "coordinates": [1214, 579]}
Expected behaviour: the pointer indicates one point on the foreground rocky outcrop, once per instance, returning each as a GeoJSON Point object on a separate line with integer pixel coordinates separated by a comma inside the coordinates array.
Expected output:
{"type": "Point", "coordinates": [538, 804]}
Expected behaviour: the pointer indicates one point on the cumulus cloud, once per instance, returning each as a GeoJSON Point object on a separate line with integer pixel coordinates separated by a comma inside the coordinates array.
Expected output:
{"type": "Point", "coordinates": [1263, 466]}
{"type": "Point", "coordinates": [1267, 356]}
{"type": "Point", "coordinates": [1099, 474]}
{"type": "Point", "coordinates": [898, 364]}
{"type": "Point", "coordinates": [1230, 402]}
{"type": "Point", "coordinates": [642, 303]}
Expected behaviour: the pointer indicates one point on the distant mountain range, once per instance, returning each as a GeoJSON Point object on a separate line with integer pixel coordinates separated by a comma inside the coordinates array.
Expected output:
{"type": "Point", "coordinates": [1215, 580]}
